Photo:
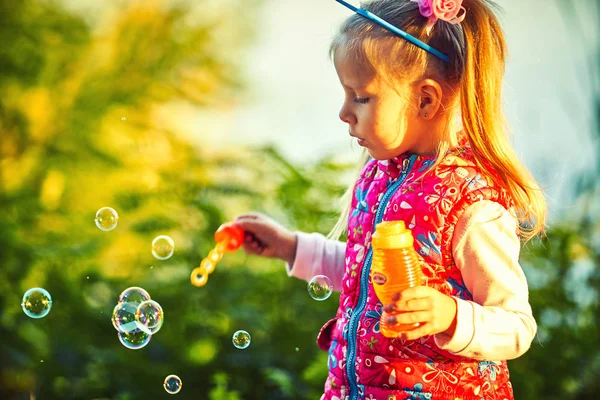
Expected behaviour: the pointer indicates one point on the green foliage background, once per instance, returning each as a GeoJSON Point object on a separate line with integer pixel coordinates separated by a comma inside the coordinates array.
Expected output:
{"type": "Point", "coordinates": [79, 130]}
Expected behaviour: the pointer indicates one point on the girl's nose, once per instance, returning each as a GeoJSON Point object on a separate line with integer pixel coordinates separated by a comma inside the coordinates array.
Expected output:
{"type": "Point", "coordinates": [346, 115]}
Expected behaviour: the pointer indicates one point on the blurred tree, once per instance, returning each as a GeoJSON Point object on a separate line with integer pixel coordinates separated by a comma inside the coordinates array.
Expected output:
{"type": "Point", "coordinates": [80, 118]}
{"type": "Point", "coordinates": [79, 126]}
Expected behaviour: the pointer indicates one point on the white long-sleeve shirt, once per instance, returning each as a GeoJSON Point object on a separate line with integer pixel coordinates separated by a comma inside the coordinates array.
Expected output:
{"type": "Point", "coordinates": [498, 324]}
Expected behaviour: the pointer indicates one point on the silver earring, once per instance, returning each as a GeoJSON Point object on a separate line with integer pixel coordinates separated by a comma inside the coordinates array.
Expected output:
{"type": "Point", "coordinates": [425, 115]}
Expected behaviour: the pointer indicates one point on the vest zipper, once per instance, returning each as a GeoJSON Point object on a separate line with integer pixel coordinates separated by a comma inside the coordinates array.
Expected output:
{"type": "Point", "coordinates": [364, 284]}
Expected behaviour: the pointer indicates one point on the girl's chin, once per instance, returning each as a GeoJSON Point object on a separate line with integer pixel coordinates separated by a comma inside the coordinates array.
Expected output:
{"type": "Point", "coordinates": [382, 155]}
{"type": "Point", "coordinates": [376, 155]}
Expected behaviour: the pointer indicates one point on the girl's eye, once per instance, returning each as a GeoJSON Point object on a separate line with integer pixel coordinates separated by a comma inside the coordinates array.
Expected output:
{"type": "Point", "coordinates": [361, 100]}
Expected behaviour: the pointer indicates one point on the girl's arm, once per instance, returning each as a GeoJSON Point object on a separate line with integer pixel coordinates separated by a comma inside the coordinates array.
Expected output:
{"type": "Point", "coordinates": [317, 255]}
{"type": "Point", "coordinates": [498, 324]}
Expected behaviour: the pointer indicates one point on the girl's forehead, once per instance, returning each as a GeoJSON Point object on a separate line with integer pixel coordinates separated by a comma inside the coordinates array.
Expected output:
{"type": "Point", "coordinates": [351, 73]}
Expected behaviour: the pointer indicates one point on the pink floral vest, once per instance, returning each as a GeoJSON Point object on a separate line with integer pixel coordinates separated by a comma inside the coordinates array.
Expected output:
{"type": "Point", "coordinates": [363, 364]}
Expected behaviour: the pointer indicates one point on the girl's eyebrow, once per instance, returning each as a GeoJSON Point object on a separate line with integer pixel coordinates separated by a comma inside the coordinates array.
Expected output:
{"type": "Point", "coordinates": [354, 87]}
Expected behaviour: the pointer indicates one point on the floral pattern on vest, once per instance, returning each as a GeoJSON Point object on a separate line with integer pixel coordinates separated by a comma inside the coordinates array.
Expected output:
{"type": "Point", "coordinates": [363, 364]}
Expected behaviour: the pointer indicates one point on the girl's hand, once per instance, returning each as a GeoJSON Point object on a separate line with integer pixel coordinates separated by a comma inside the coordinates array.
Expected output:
{"type": "Point", "coordinates": [435, 312]}
{"type": "Point", "coordinates": [265, 237]}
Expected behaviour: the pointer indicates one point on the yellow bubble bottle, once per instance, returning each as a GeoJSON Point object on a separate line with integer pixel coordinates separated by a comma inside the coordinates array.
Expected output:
{"type": "Point", "coordinates": [395, 267]}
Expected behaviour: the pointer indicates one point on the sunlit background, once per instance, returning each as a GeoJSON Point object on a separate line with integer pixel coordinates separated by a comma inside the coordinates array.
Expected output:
{"type": "Point", "coordinates": [182, 114]}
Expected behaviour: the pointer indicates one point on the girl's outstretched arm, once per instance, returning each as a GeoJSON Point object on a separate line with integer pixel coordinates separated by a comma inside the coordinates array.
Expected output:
{"type": "Point", "coordinates": [317, 255]}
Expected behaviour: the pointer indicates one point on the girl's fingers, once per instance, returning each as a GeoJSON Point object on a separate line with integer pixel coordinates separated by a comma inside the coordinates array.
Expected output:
{"type": "Point", "coordinates": [248, 224]}
{"type": "Point", "coordinates": [390, 308]}
{"type": "Point", "coordinates": [408, 318]}
{"type": "Point", "coordinates": [252, 248]}
{"type": "Point", "coordinates": [245, 217]}
{"type": "Point", "coordinates": [413, 293]}
{"type": "Point", "coordinates": [420, 304]}
{"type": "Point", "coordinates": [250, 237]}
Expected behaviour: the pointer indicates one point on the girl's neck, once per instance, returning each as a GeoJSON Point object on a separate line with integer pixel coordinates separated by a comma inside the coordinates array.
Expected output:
{"type": "Point", "coordinates": [434, 133]}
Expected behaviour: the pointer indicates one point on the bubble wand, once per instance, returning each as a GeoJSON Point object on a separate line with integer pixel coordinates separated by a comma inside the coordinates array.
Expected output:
{"type": "Point", "coordinates": [228, 237]}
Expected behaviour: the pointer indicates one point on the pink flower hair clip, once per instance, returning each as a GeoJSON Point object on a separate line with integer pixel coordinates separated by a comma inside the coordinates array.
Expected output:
{"type": "Point", "coordinates": [450, 11]}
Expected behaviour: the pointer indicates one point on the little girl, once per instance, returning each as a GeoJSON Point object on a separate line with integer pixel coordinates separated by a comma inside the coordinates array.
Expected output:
{"type": "Point", "coordinates": [422, 82]}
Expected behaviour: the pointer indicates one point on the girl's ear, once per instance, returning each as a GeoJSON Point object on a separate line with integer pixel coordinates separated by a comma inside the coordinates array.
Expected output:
{"type": "Point", "coordinates": [429, 95]}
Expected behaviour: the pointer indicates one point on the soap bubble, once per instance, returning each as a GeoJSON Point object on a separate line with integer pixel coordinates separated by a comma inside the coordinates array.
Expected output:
{"type": "Point", "coordinates": [149, 316]}
{"type": "Point", "coordinates": [124, 317]}
{"type": "Point", "coordinates": [36, 303]}
{"type": "Point", "coordinates": [241, 339]}
{"type": "Point", "coordinates": [134, 294]}
{"type": "Point", "coordinates": [162, 247]}
{"type": "Point", "coordinates": [135, 339]}
{"type": "Point", "coordinates": [320, 287]}
{"type": "Point", "coordinates": [172, 384]}
{"type": "Point", "coordinates": [106, 219]}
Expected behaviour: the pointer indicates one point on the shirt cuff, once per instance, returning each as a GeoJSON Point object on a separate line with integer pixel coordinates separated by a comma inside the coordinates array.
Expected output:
{"type": "Point", "coordinates": [464, 332]}
{"type": "Point", "coordinates": [306, 250]}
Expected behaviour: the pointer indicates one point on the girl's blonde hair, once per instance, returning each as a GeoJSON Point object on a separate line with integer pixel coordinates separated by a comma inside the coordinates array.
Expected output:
{"type": "Point", "coordinates": [477, 49]}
